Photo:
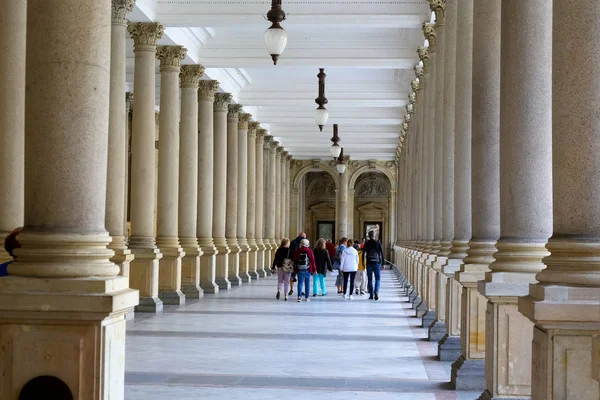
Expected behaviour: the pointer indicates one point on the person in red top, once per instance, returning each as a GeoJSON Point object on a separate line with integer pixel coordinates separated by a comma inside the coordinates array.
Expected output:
{"type": "Point", "coordinates": [304, 260]}
{"type": "Point", "coordinates": [331, 249]}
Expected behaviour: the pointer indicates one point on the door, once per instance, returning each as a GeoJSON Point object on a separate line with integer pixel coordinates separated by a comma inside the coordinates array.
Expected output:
{"type": "Point", "coordinates": [376, 227]}
{"type": "Point", "coordinates": [325, 230]}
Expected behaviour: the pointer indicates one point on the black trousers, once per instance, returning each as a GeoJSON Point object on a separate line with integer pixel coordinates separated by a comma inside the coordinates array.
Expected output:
{"type": "Point", "coordinates": [350, 275]}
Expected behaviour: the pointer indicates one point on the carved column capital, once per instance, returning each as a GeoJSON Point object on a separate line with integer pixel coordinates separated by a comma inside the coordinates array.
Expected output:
{"type": "Point", "coordinates": [170, 57]}
{"type": "Point", "coordinates": [207, 90]}
{"type": "Point", "coordinates": [278, 151]}
{"type": "Point", "coordinates": [267, 139]}
{"type": "Point", "coordinates": [423, 53]}
{"type": "Point", "coordinates": [431, 36]}
{"type": "Point", "coordinates": [274, 145]}
{"type": "Point", "coordinates": [415, 85]}
{"type": "Point", "coordinates": [190, 75]}
{"type": "Point", "coordinates": [410, 108]}
{"type": "Point", "coordinates": [222, 101]}
{"type": "Point", "coordinates": [419, 71]}
{"type": "Point", "coordinates": [260, 136]}
{"type": "Point", "coordinates": [439, 8]}
{"type": "Point", "coordinates": [233, 112]}
{"type": "Point", "coordinates": [253, 126]}
{"type": "Point", "coordinates": [145, 34]}
{"type": "Point", "coordinates": [412, 98]}
{"type": "Point", "coordinates": [243, 120]}
{"type": "Point", "coordinates": [120, 9]}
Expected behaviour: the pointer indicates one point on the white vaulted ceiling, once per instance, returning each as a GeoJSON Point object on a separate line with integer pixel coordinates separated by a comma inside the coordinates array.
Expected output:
{"type": "Point", "coordinates": [367, 47]}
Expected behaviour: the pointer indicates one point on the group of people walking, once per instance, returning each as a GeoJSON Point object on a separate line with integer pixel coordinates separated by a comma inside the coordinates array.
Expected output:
{"type": "Point", "coordinates": [358, 267]}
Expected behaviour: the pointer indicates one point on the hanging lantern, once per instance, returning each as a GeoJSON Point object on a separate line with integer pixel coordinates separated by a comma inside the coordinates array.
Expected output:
{"type": "Point", "coordinates": [275, 36]}
{"type": "Point", "coordinates": [322, 115]}
{"type": "Point", "coordinates": [335, 148]}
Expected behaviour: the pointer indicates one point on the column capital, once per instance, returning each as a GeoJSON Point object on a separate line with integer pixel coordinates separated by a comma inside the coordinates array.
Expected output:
{"type": "Point", "coordinates": [439, 8]}
{"type": "Point", "coordinates": [405, 126]}
{"type": "Point", "coordinates": [233, 112]}
{"type": "Point", "coordinates": [120, 9]}
{"type": "Point", "coordinates": [423, 53]}
{"type": "Point", "coordinates": [431, 36]}
{"type": "Point", "coordinates": [274, 145]}
{"type": "Point", "coordinates": [410, 108]}
{"type": "Point", "coordinates": [260, 135]}
{"type": "Point", "coordinates": [284, 155]}
{"type": "Point", "coordinates": [190, 75]}
{"type": "Point", "coordinates": [207, 90]}
{"type": "Point", "coordinates": [170, 57]}
{"type": "Point", "coordinates": [412, 98]}
{"type": "Point", "coordinates": [253, 126]}
{"type": "Point", "coordinates": [290, 158]}
{"type": "Point", "coordinates": [278, 151]}
{"type": "Point", "coordinates": [407, 117]}
{"type": "Point", "coordinates": [145, 34]}
{"type": "Point", "coordinates": [156, 117]}
{"type": "Point", "coordinates": [415, 85]}
{"type": "Point", "coordinates": [419, 71]}
{"type": "Point", "coordinates": [244, 119]}
{"type": "Point", "coordinates": [222, 100]}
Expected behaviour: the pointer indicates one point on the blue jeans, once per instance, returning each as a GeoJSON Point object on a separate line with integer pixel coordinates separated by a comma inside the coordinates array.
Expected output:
{"type": "Point", "coordinates": [319, 280]}
{"type": "Point", "coordinates": [303, 277]}
{"type": "Point", "coordinates": [374, 269]}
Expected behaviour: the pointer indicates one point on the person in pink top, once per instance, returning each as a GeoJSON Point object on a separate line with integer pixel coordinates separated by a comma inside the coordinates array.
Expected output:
{"type": "Point", "coordinates": [304, 260]}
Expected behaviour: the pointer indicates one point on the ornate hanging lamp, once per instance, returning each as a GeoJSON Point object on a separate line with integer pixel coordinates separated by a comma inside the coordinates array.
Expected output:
{"type": "Point", "coordinates": [335, 148]}
{"type": "Point", "coordinates": [322, 115]}
{"type": "Point", "coordinates": [341, 162]}
{"type": "Point", "coordinates": [275, 36]}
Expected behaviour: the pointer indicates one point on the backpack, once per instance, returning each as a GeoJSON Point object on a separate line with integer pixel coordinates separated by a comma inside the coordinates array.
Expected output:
{"type": "Point", "coordinates": [337, 260]}
{"type": "Point", "coordinates": [373, 256]}
{"type": "Point", "coordinates": [303, 261]}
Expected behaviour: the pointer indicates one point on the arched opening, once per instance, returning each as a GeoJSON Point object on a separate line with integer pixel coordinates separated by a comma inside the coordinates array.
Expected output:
{"type": "Point", "coordinates": [46, 387]}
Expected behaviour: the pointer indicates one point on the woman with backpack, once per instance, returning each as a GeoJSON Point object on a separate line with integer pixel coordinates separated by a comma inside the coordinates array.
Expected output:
{"type": "Point", "coordinates": [349, 266]}
{"type": "Point", "coordinates": [323, 263]}
{"type": "Point", "coordinates": [304, 260]}
{"type": "Point", "coordinates": [284, 265]}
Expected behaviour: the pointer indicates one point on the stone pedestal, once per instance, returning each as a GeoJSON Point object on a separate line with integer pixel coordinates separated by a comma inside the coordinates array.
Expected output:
{"type": "Point", "coordinates": [144, 267]}
{"type": "Point", "coordinates": [62, 310]}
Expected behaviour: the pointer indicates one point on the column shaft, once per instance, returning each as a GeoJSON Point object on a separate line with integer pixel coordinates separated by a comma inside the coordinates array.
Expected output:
{"type": "Point", "coordinates": [117, 137]}
{"type": "Point", "coordinates": [188, 181]}
{"type": "Point", "coordinates": [220, 208]}
{"type": "Point", "coordinates": [206, 185]}
{"type": "Point", "coordinates": [277, 193]}
{"type": "Point", "coordinates": [251, 217]}
{"type": "Point", "coordinates": [270, 193]}
{"type": "Point", "coordinates": [242, 196]}
{"type": "Point", "coordinates": [565, 304]}
{"type": "Point", "coordinates": [143, 273]}
{"type": "Point", "coordinates": [169, 279]}
{"type": "Point", "coordinates": [343, 205]}
{"type": "Point", "coordinates": [262, 243]}
{"type": "Point", "coordinates": [64, 272]}
{"type": "Point", "coordinates": [525, 191]}
{"type": "Point", "coordinates": [232, 194]}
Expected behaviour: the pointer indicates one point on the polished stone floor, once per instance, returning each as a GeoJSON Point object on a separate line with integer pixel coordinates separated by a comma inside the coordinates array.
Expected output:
{"type": "Point", "coordinates": [244, 344]}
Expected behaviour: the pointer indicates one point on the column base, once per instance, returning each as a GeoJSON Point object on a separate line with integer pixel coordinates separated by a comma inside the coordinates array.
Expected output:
{"type": "Point", "coordinates": [192, 292]}
{"type": "Point", "coordinates": [416, 300]}
{"type": "Point", "coordinates": [468, 374]}
{"type": "Point", "coordinates": [449, 348]}
{"type": "Point", "coordinates": [421, 309]}
{"type": "Point", "coordinates": [208, 267]}
{"type": "Point", "coordinates": [428, 318]}
{"type": "Point", "coordinates": [223, 283]}
{"type": "Point", "coordinates": [144, 277]}
{"type": "Point", "coordinates": [150, 305]}
{"type": "Point", "coordinates": [72, 329]}
{"type": "Point", "coordinates": [234, 263]}
{"type": "Point", "coordinates": [122, 258]}
{"type": "Point", "coordinates": [169, 278]}
{"type": "Point", "coordinates": [437, 331]}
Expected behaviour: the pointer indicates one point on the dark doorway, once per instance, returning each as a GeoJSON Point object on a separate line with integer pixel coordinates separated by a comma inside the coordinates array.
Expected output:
{"type": "Point", "coordinates": [376, 227]}
{"type": "Point", "coordinates": [325, 230]}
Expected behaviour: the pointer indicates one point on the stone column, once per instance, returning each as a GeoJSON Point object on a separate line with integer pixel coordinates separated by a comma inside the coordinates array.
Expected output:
{"type": "Point", "coordinates": [13, 28]}
{"type": "Point", "coordinates": [251, 193]}
{"type": "Point", "coordinates": [277, 193]}
{"type": "Point", "coordinates": [260, 197]}
{"type": "Point", "coordinates": [343, 205]}
{"type": "Point", "coordinates": [468, 372]}
{"type": "Point", "coordinates": [128, 113]}
{"type": "Point", "coordinates": [270, 194]}
{"type": "Point", "coordinates": [565, 304]}
{"type": "Point", "coordinates": [525, 192]}
{"type": "Point", "coordinates": [232, 194]}
{"type": "Point", "coordinates": [220, 209]}
{"type": "Point", "coordinates": [284, 156]}
{"type": "Point", "coordinates": [462, 34]}
{"type": "Point", "coordinates": [242, 196]}
{"type": "Point", "coordinates": [288, 194]}
{"type": "Point", "coordinates": [169, 279]}
{"type": "Point", "coordinates": [117, 138]}
{"type": "Point", "coordinates": [64, 272]}
{"type": "Point", "coordinates": [143, 273]}
{"type": "Point", "coordinates": [188, 181]}
{"type": "Point", "coordinates": [207, 108]}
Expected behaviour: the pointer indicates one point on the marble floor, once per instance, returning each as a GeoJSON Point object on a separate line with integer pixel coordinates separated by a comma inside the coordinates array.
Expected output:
{"type": "Point", "coordinates": [244, 344]}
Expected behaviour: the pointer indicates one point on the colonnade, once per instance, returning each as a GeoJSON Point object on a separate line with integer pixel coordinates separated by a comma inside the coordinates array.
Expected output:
{"type": "Point", "coordinates": [66, 177]}
{"type": "Point", "coordinates": [499, 224]}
